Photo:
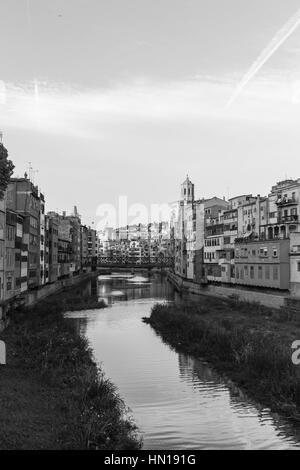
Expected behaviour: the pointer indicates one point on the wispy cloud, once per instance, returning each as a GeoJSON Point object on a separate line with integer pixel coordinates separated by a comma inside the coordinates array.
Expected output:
{"type": "Point", "coordinates": [63, 110]}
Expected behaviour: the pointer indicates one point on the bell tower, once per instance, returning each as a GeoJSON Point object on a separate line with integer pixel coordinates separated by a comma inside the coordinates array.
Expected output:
{"type": "Point", "coordinates": [187, 191]}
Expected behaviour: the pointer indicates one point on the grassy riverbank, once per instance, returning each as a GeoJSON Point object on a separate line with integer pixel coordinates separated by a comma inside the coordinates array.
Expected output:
{"type": "Point", "coordinates": [249, 343]}
{"type": "Point", "coordinates": [52, 394]}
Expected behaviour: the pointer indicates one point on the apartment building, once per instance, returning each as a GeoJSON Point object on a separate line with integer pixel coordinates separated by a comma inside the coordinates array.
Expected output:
{"type": "Point", "coordinates": [295, 264]}
{"type": "Point", "coordinates": [24, 199]}
{"type": "Point", "coordinates": [21, 257]}
{"type": "Point", "coordinates": [64, 255]}
{"type": "Point", "coordinates": [284, 209]}
{"type": "Point", "coordinates": [42, 241]}
{"type": "Point", "coordinates": [11, 284]}
{"type": "Point", "coordinates": [213, 249]}
{"type": "Point", "coordinates": [92, 243]}
{"type": "Point", "coordinates": [190, 237]}
{"type": "Point", "coordinates": [52, 242]}
{"type": "Point", "coordinates": [84, 246]}
{"type": "Point", "coordinates": [2, 248]}
{"type": "Point", "coordinates": [69, 232]}
{"type": "Point", "coordinates": [263, 263]}
{"type": "Point", "coordinates": [252, 216]}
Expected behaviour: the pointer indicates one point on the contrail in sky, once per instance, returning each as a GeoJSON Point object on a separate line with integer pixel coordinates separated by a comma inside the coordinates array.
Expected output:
{"type": "Point", "coordinates": [282, 35]}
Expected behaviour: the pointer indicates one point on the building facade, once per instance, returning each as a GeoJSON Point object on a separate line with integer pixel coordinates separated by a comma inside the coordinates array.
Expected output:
{"type": "Point", "coordinates": [24, 198]}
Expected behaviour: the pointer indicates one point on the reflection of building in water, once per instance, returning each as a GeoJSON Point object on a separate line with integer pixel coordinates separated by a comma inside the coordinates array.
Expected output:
{"type": "Point", "coordinates": [94, 287]}
{"type": "Point", "coordinates": [196, 370]}
{"type": "Point", "coordinates": [85, 289]}
{"type": "Point", "coordinates": [153, 287]}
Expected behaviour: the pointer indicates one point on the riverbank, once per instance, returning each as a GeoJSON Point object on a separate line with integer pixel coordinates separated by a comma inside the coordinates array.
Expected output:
{"type": "Point", "coordinates": [52, 394]}
{"type": "Point", "coordinates": [32, 297]}
{"type": "Point", "coordinates": [269, 298]}
{"type": "Point", "coordinates": [249, 343]}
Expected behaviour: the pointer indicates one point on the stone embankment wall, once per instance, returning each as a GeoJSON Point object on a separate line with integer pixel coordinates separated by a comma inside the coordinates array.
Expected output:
{"type": "Point", "coordinates": [273, 300]}
{"type": "Point", "coordinates": [32, 297]}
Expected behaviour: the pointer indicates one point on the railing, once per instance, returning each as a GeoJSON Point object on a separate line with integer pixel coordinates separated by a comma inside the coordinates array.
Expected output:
{"type": "Point", "coordinates": [148, 261]}
{"type": "Point", "coordinates": [288, 218]}
{"type": "Point", "coordinates": [286, 201]}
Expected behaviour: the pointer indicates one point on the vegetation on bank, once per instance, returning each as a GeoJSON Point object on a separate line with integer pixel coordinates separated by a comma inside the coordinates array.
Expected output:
{"type": "Point", "coordinates": [52, 394]}
{"type": "Point", "coordinates": [249, 343]}
{"type": "Point", "coordinates": [76, 299]}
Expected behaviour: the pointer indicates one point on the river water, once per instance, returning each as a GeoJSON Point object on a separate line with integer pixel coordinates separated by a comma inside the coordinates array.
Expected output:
{"type": "Point", "coordinates": [177, 401]}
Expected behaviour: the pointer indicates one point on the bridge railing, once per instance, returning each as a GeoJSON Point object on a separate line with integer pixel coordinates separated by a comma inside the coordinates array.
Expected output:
{"type": "Point", "coordinates": [161, 261]}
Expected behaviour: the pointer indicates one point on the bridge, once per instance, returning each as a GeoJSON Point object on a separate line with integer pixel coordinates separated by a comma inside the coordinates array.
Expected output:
{"type": "Point", "coordinates": [131, 262]}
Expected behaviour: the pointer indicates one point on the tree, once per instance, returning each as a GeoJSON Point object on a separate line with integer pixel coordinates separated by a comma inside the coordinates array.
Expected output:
{"type": "Point", "coordinates": [6, 170]}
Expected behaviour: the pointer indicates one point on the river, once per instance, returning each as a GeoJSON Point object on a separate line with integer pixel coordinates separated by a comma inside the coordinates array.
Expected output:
{"type": "Point", "coordinates": [177, 401]}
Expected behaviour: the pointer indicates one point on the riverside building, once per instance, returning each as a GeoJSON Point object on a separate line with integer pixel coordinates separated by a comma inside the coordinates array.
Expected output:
{"type": "Point", "coordinates": [251, 241]}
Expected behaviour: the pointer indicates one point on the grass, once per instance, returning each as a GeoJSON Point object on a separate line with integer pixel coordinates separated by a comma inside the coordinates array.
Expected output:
{"type": "Point", "coordinates": [52, 394]}
{"type": "Point", "coordinates": [247, 342]}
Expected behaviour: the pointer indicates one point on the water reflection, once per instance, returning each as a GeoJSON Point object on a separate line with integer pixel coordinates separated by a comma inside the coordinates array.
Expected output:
{"type": "Point", "coordinates": [178, 401]}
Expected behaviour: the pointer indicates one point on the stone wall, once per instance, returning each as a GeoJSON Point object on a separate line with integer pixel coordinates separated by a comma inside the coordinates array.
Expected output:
{"type": "Point", "coordinates": [31, 297]}
{"type": "Point", "coordinates": [274, 300]}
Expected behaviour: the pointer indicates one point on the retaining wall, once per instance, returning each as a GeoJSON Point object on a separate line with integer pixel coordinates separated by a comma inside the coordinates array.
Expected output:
{"type": "Point", "coordinates": [32, 297]}
{"type": "Point", "coordinates": [273, 300]}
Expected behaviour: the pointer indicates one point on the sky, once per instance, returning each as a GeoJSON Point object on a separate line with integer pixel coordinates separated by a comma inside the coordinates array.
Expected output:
{"type": "Point", "coordinates": [110, 98]}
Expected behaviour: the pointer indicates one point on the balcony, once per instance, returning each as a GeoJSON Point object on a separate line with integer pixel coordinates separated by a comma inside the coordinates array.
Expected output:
{"type": "Point", "coordinates": [285, 201]}
{"type": "Point", "coordinates": [288, 218]}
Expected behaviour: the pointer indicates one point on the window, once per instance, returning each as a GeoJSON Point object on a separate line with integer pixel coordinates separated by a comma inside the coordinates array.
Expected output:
{"type": "Point", "coordinates": [267, 272]}
{"type": "Point", "coordinates": [10, 233]}
{"type": "Point", "coordinates": [9, 283]}
{"type": "Point", "coordinates": [252, 272]}
{"type": "Point", "coordinates": [275, 273]}
{"type": "Point", "coordinates": [2, 220]}
{"type": "Point", "coordinates": [275, 252]}
{"type": "Point", "coordinates": [33, 222]}
{"type": "Point", "coordinates": [246, 270]}
{"type": "Point", "coordinates": [9, 257]}
{"type": "Point", "coordinates": [260, 272]}
{"type": "Point", "coordinates": [298, 266]}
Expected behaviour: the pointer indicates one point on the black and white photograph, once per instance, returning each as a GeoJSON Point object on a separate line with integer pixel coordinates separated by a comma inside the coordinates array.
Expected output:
{"type": "Point", "coordinates": [149, 228]}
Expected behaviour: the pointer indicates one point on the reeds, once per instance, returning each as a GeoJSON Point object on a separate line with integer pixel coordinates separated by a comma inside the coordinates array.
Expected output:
{"type": "Point", "coordinates": [246, 341]}
{"type": "Point", "coordinates": [88, 412]}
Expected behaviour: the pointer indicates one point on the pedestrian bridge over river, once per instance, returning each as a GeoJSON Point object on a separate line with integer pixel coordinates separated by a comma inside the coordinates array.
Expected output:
{"type": "Point", "coordinates": [131, 262]}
